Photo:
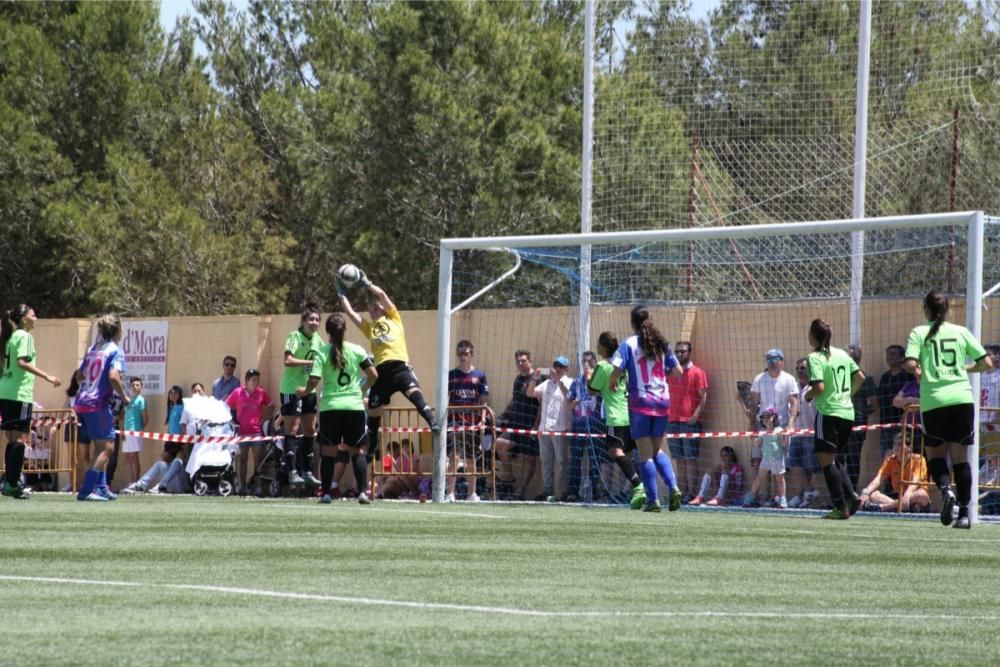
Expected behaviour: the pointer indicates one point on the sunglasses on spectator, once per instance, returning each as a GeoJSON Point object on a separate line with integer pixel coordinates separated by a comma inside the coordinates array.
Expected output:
{"type": "Point", "coordinates": [801, 368]}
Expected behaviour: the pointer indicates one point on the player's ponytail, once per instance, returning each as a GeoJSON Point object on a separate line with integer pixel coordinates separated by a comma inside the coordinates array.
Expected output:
{"type": "Point", "coordinates": [11, 320]}
{"type": "Point", "coordinates": [936, 310]}
{"type": "Point", "coordinates": [336, 325]}
{"type": "Point", "coordinates": [651, 341]}
{"type": "Point", "coordinates": [821, 332]}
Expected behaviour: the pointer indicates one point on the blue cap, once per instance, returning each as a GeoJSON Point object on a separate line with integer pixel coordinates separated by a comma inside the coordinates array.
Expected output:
{"type": "Point", "coordinates": [775, 353]}
{"type": "Point", "coordinates": [561, 361]}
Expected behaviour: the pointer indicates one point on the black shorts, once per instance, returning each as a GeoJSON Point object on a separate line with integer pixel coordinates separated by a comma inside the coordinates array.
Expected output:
{"type": "Point", "coordinates": [16, 415]}
{"type": "Point", "coordinates": [337, 426]}
{"type": "Point", "coordinates": [832, 433]}
{"type": "Point", "coordinates": [172, 448]}
{"type": "Point", "coordinates": [621, 437]}
{"type": "Point", "coordinates": [293, 405]}
{"type": "Point", "coordinates": [952, 423]}
{"type": "Point", "coordinates": [463, 443]}
{"type": "Point", "coordinates": [393, 376]}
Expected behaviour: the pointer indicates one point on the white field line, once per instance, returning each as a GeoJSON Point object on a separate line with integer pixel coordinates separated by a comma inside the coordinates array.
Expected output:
{"type": "Point", "coordinates": [393, 510]}
{"type": "Point", "coordinates": [508, 611]}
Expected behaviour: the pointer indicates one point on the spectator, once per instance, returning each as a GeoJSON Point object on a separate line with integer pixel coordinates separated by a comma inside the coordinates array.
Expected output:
{"type": "Point", "coordinates": [619, 443]}
{"type": "Point", "coordinates": [646, 359]}
{"type": "Point", "coordinates": [248, 404]}
{"type": "Point", "coordinates": [226, 383]}
{"type": "Point", "coordinates": [772, 449]}
{"type": "Point", "coordinates": [947, 406]}
{"type": "Point", "coordinates": [468, 391]}
{"type": "Point", "coordinates": [865, 403]}
{"type": "Point", "coordinates": [909, 397]}
{"type": "Point", "coordinates": [989, 479]}
{"type": "Point", "coordinates": [404, 461]}
{"type": "Point", "coordinates": [555, 414]}
{"type": "Point", "coordinates": [169, 470]}
{"type": "Point", "coordinates": [688, 397]}
{"type": "Point", "coordinates": [521, 413]}
{"type": "Point", "coordinates": [586, 419]}
{"type": "Point", "coordinates": [989, 389]}
{"type": "Point", "coordinates": [175, 408]}
{"type": "Point", "coordinates": [801, 460]}
{"type": "Point", "coordinates": [136, 418]}
{"type": "Point", "coordinates": [727, 477]}
{"type": "Point", "coordinates": [888, 386]}
{"type": "Point", "coordinates": [893, 472]}
{"type": "Point", "coordinates": [776, 389]}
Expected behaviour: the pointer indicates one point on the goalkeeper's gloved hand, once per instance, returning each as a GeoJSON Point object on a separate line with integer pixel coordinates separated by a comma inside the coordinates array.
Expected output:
{"type": "Point", "coordinates": [341, 287]}
{"type": "Point", "coordinates": [363, 280]}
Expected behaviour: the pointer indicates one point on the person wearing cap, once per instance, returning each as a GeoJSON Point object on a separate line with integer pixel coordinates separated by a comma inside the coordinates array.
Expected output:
{"type": "Point", "coordinates": [248, 404]}
{"type": "Point", "coordinates": [555, 415]}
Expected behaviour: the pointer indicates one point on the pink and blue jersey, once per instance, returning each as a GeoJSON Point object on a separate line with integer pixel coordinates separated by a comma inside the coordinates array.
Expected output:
{"type": "Point", "coordinates": [648, 393]}
{"type": "Point", "coordinates": [95, 391]}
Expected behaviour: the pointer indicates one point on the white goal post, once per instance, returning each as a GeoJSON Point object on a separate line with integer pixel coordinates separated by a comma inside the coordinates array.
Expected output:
{"type": "Point", "coordinates": [969, 224]}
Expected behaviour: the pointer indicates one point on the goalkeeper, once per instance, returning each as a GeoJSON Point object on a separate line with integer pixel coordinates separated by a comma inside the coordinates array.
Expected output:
{"type": "Point", "coordinates": [392, 361]}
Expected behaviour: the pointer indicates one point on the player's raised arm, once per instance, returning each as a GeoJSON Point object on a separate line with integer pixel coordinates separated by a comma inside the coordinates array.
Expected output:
{"type": "Point", "coordinates": [345, 303]}
{"type": "Point", "coordinates": [379, 294]}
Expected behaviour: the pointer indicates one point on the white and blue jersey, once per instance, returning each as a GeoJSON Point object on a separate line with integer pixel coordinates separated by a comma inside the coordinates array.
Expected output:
{"type": "Point", "coordinates": [95, 387]}
{"type": "Point", "coordinates": [648, 393]}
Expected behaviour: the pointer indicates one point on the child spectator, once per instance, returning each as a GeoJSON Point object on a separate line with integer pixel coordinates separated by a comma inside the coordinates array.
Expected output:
{"type": "Point", "coordinates": [175, 408]}
{"type": "Point", "coordinates": [915, 497]}
{"type": "Point", "coordinates": [772, 450]}
{"type": "Point", "coordinates": [728, 476]}
{"type": "Point", "coordinates": [248, 403]}
{"type": "Point", "coordinates": [136, 418]}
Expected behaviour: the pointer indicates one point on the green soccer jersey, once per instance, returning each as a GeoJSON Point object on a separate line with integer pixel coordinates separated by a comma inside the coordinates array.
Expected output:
{"type": "Point", "coordinates": [301, 347]}
{"type": "Point", "coordinates": [836, 372]}
{"type": "Point", "coordinates": [615, 402]}
{"type": "Point", "coordinates": [17, 384]}
{"type": "Point", "coordinates": [943, 380]}
{"type": "Point", "coordinates": [341, 387]}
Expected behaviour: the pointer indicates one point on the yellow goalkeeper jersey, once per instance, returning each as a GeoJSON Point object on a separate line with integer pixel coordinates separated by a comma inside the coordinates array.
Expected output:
{"type": "Point", "coordinates": [388, 340]}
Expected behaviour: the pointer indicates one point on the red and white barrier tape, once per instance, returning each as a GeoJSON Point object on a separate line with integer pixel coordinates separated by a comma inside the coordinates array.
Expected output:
{"type": "Point", "coordinates": [188, 439]}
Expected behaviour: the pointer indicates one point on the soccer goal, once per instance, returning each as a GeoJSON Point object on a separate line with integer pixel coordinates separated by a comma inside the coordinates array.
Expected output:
{"type": "Point", "coordinates": [733, 293]}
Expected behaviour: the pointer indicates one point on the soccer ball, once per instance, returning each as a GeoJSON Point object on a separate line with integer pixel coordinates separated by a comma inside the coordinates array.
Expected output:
{"type": "Point", "coordinates": [349, 275]}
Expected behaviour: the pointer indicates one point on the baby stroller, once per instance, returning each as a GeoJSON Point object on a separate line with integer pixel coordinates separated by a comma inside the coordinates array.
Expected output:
{"type": "Point", "coordinates": [212, 464]}
{"type": "Point", "coordinates": [271, 475]}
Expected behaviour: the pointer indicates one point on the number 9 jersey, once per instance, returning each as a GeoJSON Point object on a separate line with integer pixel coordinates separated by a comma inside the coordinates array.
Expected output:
{"type": "Point", "coordinates": [943, 379]}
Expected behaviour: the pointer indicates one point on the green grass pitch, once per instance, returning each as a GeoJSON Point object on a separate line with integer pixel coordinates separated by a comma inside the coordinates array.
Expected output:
{"type": "Point", "coordinates": [211, 581]}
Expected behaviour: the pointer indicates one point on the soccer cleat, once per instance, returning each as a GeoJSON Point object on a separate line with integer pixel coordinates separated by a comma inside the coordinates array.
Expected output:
{"type": "Point", "coordinates": [837, 514]}
{"type": "Point", "coordinates": [715, 502]}
{"type": "Point", "coordinates": [17, 492]}
{"type": "Point", "coordinates": [335, 493]}
{"type": "Point", "coordinates": [853, 503]}
{"type": "Point", "coordinates": [652, 506]}
{"type": "Point", "coordinates": [963, 523]}
{"type": "Point", "coordinates": [364, 499]}
{"type": "Point", "coordinates": [106, 492]}
{"type": "Point", "coordinates": [674, 503]}
{"type": "Point", "coordinates": [294, 479]}
{"type": "Point", "coordinates": [795, 501]}
{"type": "Point", "coordinates": [696, 501]}
{"type": "Point", "coordinates": [474, 498]}
{"type": "Point", "coordinates": [94, 496]}
{"type": "Point", "coordinates": [325, 499]}
{"type": "Point", "coordinates": [638, 497]}
{"type": "Point", "coordinates": [948, 502]}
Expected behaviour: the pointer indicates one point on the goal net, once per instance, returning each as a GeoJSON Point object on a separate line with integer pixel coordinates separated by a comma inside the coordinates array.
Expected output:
{"type": "Point", "coordinates": [735, 295]}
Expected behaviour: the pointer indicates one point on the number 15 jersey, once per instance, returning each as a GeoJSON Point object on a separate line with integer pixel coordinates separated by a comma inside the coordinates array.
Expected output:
{"type": "Point", "coordinates": [943, 380]}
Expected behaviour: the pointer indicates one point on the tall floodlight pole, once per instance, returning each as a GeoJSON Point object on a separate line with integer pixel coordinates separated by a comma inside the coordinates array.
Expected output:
{"type": "Point", "coordinates": [860, 163]}
{"type": "Point", "coordinates": [583, 321]}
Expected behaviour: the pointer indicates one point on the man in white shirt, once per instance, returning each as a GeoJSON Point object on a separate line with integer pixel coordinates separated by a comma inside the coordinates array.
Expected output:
{"type": "Point", "coordinates": [554, 414]}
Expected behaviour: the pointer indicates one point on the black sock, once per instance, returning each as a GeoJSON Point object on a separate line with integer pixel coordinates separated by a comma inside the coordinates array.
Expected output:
{"type": "Point", "coordinates": [291, 453]}
{"type": "Point", "coordinates": [374, 424]}
{"type": "Point", "coordinates": [326, 464]}
{"type": "Point", "coordinates": [963, 486]}
{"type": "Point", "coordinates": [845, 480]}
{"type": "Point", "coordinates": [306, 454]}
{"type": "Point", "coordinates": [359, 463]}
{"type": "Point", "coordinates": [6, 459]}
{"type": "Point", "coordinates": [938, 469]}
{"type": "Point", "coordinates": [835, 485]}
{"type": "Point", "coordinates": [15, 461]}
{"type": "Point", "coordinates": [627, 467]}
{"type": "Point", "coordinates": [417, 398]}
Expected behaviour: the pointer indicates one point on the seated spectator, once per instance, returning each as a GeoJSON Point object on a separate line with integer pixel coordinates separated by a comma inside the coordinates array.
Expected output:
{"type": "Point", "coordinates": [908, 396]}
{"type": "Point", "coordinates": [915, 497]}
{"type": "Point", "coordinates": [404, 461]}
{"type": "Point", "coordinates": [167, 475]}
{"type": "Point", "coordinates": [989, 477]}
{"type": "Point", "coordinates": [727, 477]}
